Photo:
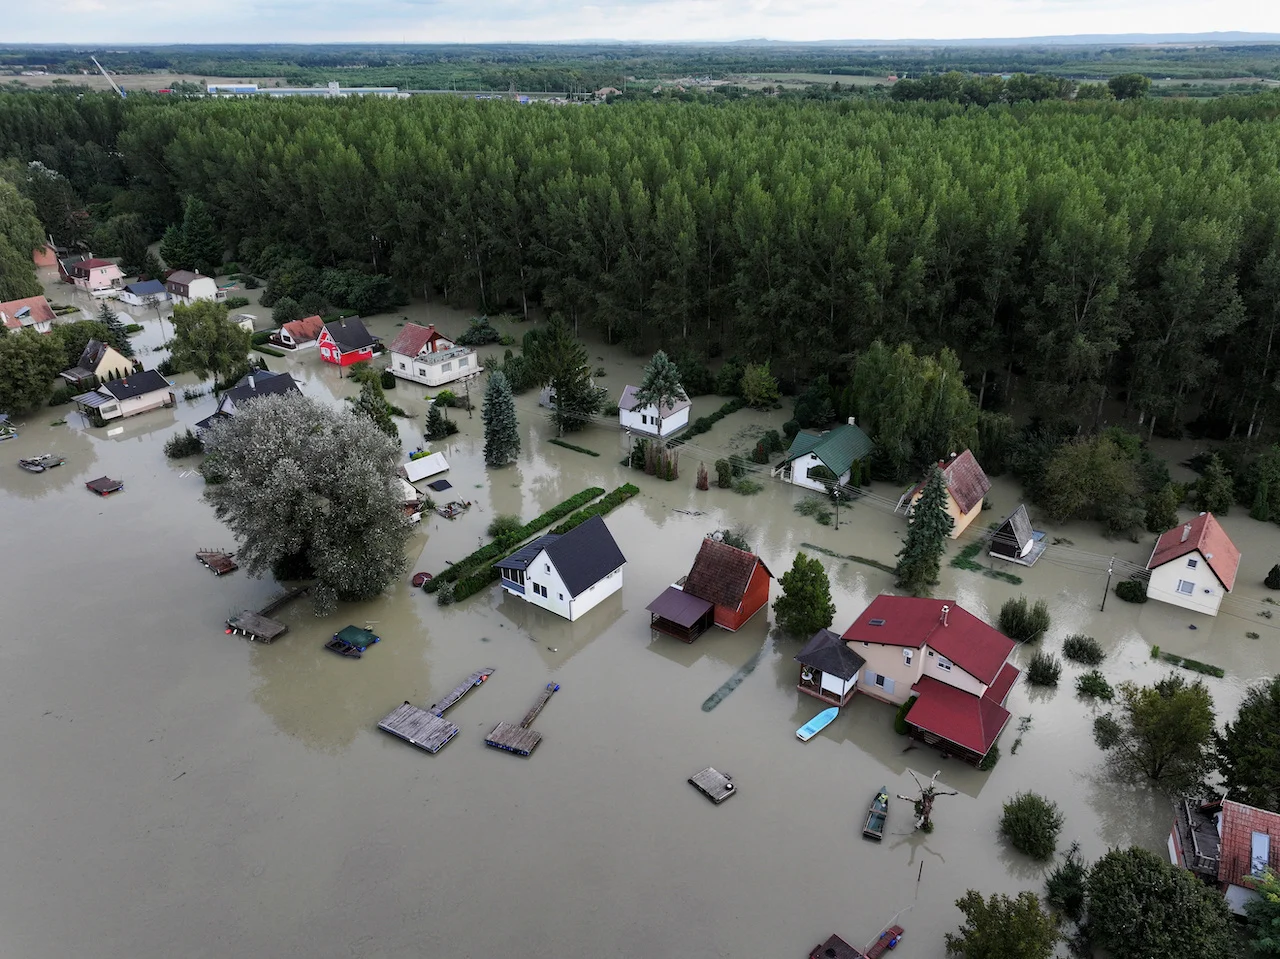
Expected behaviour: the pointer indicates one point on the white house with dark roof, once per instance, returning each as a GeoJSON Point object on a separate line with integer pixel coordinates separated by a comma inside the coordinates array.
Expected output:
{"type": "Point", "coordinates": [645, 419]}
{"type": "Point", "coordinates": [136, 294]}
{"type": "Point", "coordinates": [569, 574]}
{"type": "Point", "coordinates": [128, 396]}
{"type": "Point", "coordinates": [247, 388]}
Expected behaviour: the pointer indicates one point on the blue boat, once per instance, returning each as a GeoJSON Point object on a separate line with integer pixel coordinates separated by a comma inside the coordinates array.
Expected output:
{"type": "Point", "coordinates": [817, 724]}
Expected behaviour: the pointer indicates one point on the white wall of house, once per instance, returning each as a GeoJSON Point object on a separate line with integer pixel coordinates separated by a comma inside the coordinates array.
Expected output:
{"type": "Point", "coordinates": [594, 595]}
{"type": "Point", "coordinates": [645, 420]}
{"type": "Point", "coordinates": [935, 667]}
{"type": "Point", "coordinates": [134, 300]}
{"type": "Point", "coordinates": [201, 288]}
{"type": "Point", "coordinates": [800, 473]}
{"type": "Point", "coordinates": [432, 372]}
{"type": "Point", "coordinates": [542, 576]}
{"type": "Point", "coordinates": [1181, 583]}
{"type": "Point", "coordinates": [837, 686]}
{"type": "Point", "coordinates": [116, 409]}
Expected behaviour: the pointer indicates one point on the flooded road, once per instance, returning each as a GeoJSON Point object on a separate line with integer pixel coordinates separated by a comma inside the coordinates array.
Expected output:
{"type": "Point", "coordinates": [174, 791]}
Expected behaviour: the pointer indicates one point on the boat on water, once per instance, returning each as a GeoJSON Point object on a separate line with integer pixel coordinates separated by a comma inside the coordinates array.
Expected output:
{"type": "Point", "coordinates": [38, 464]}
{"type": "Point", "coordinates": [817, 724]}
{"type": "Point", "coordinates": [7, 430]}
{"type": "Point", "coordinates": [877, 815]}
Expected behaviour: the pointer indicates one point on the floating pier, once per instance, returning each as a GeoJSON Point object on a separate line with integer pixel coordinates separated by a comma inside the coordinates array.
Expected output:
{"type": "Point", "coordinates": [520, 739]}
{"type": "Point", "coordinates": [217, 560]}
{"type": "Point", "coordinates": [427, 728]}
{"type": "Point", "coordinates": [259, 626]}
{"type": "Point", "coordinates": [886, 940]}
{"type": "Point", "coordinates": [835, 948]}
{"type": "Point", "coordinates": [105, 485]}
{"type": "Point", "coordinates": [713, 784]}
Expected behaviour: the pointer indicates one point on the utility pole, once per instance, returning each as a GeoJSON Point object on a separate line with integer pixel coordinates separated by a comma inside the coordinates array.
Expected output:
{"type": "Point", "coordinates": [1111, 566]}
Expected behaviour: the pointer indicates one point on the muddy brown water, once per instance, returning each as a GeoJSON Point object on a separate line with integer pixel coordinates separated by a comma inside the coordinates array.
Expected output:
{"type": "Point", "coordinates": [172, 790]}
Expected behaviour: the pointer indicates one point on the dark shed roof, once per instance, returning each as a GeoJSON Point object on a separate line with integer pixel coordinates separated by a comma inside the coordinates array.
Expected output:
{"type": "Point", "coordinates": [1015, 530]}
{"type": "Point", "coordinates": [585, 555]}
{"type": "Point", "coordinates": [677, 606]}
{"type": "Point", "coordinates": [828, 652]}
{"type": "Point", "coordinates": [525, 555]}
{"type": "Point", "coordinates": [135, 384]}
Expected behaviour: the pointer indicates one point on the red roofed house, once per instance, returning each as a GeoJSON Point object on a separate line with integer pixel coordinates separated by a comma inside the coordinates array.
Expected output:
{"type": "Point", "coordinates": [299, 334]}
{"type": "Point", "coordinates": [1194, 565]}
{"type": "Point", "coordinates": [954, 663]}
{"type": "Point", "coordinates": [346, 342]}
{"type": "Point", "coordinates": [1227, 844]}
{"type": "Point", "coordinates": [425, 355]}
{"type": "Point", "coordinates": [726, 586]}
{"type": "Point", "coordinates": [967, 484]}
{"type": "Point", "coordinates": [96, 277]}
{"type": "Point", "coordinates": [32, 313]}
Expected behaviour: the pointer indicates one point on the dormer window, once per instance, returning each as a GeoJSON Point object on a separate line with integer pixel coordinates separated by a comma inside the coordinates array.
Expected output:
{"type": "Point", "coordinates": [944, 663]}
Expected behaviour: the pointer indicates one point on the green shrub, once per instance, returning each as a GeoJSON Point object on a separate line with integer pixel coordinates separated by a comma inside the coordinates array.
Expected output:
{"type": "Point", "coordinates": [444, 592]}
{"type": "Point", "coordinates": [1068, 883]}
{"type": "Point", "coordinates": [990, 759]}
{"type": "Point", "coordinates": [900, 719]}
{"type": "Point", "coordinates": [773, 442]}
{"type": "Point", "coordinates": [446, 398]}
{"type": "Point", "coordinates": [815, 508]}
{"type": "Point", "coordinates": [747, 487]}
{"type": "Point", "coordinates": [504, 526]}
{"type": "Point", "coordinates": [1132, 590]}
{"type": "Point", "coordinates": [724, 474]}
{"type": "Point", "coordinates": [1044, 669]}
{"type": "Point", "coordinates": [132, 328]}
{"type": "Point", "coordinates": [251, 283]}
{"type": "Point", "coordinates": [1273, 578]}
{"type": "Point", "coordinates": [470, 585]}
{"type": "Point", "coordinates": [1023, 622]}
{"type": "Point", "coordinates": [388, 380]}
{"type": "Point", "coordinates": [1083, 649]}
{"type": "Point", "coordinates": [704, 423]}
{"type": "Point", "coordinates": [760, 454]}
{"type": "Point", "coordinates": [738, 465]}
{"type": "Point", "coordinates": [236, 302]}
{"type": "Point", "coordinates": [63, 394]}
{"type": "Point", "coordinates": [480, 333]}
{"type": "Point", "coordinates": [261, 337]}
{"type": "Point", "coordinates": [1031, 823]}
{"type": "Point", "coordinates": [183, 444]}
{"type": "Point", "coordinates": [1094, 685]}
{"type": "Point", "coordinates": [556, 441]}
{"type": "Point", "coordinates": [167, 367]}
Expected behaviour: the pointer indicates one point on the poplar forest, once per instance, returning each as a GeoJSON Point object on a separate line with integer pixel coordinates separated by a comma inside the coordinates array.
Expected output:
{"type": "Point", "coordinates": [1087, 259]}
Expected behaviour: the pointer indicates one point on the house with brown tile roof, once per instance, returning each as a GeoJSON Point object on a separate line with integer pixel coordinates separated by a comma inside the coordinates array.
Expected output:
{"type": "Point", "coordinates": [726, 586]}
{"type": "Point", "coordinates": [299, 334]}
{"type": "Point", "coordinates": [1194, 565]}
{"type": "Point", "coordinates": [30, 313]}
{"type": "Point", "coordinates": [425, 355]}
{"type": "Point", "coordinates": [967, 486]}
{"type": "Point", "coordinates": [1227, 844]}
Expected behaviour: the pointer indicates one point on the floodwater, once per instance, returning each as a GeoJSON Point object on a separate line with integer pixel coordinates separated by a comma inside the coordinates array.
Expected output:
{"type": "Point", "coordinates": [170, 790]}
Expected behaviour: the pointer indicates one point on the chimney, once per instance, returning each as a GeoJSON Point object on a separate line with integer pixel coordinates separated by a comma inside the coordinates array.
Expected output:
{"type": "Point", "coordinates": [1186, 532]}
{"type": "Point", "coordinates": [945, 609]}
{"type": "Point", "coordinates": [853, 421]}
{"type": "Point", "coordinates": [251, 386]}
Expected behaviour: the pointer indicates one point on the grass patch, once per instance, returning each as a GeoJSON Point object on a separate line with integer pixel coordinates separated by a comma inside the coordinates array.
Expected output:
{"type": "Point", "coordinates": [864, 560]}
{"type": "Point", "coordinates": [815, 508]}
{"type": "Point", "coordinates": [747, 487]}
{"type": "Point", "coordinates": [1083, 649]}
{"type": "Point", "coordinates": [132, 328]}
{"type": "Point", "coordinates": [606, 505]}
{"type": "Point", "coordinates": [269, 350]}
{"type": "Point", "coordinates": [571, 446]}
{"type": "Point", "coordinates": [1194, 665]}
{"type": "Point", "coordinates": [965, 560]}
{"type": "Point", "coordinates": [1094, 685]}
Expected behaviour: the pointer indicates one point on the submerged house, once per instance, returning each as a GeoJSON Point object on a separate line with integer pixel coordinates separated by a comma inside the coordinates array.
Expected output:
{"type": "Point", "coordinates": [816, 459]}
{"type": "Point", "coordinates": [951, 661]}
{"type": "Point", "coordinates": [186, 287]}
{"type": "Point", "coordinates": [28, 313]}
{"type": "Point", "coordinates": [97, 362]}
{"type": "Point", "coordinates": [1016, 541]}
{"type": "Point", "coordinates": [568, 574]}
{"type": "Point", "coordinates": [829, 668]}
{"type": "Point", "coordinates": [967, 485]}
{"type": "Point", "coordinates": [425, 355]}
{"type": "Point", "coordinates": [299, 334]}
{"type": "Point", "coordinates": [96, 277]}
{"type": "Point", "coordinates": [645, 419]}
{"type": "Point", "coordinates": [345, 342]}
{"type": "Point", "coordinates": [250, 387]}
{"type": "Point", "coordinates": [133, 394]}
{"type": "Point", "coordinates": [1194, 566]}
{"type": "Point", "coordinates": [725, 588]}
{"type": "Point", "coordinates": [136, 294]}
{"type": "Point", "coordinates": [1227, 844]}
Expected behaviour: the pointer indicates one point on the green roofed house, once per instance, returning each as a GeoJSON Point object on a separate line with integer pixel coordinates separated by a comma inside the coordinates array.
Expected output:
{"type": "Point", "coordinates": [816, 459]}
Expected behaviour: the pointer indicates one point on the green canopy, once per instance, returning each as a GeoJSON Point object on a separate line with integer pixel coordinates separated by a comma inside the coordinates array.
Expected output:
{"type": "Point", "coordinates": [357, 637]}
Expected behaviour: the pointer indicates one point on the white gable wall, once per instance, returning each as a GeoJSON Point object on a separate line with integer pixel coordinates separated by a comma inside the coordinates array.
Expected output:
{"type": "Point", "coordinates": [645, 420]}
{"type": "Point", "coordinates": [594, 595]}
{"type": "Point", "coordinates": [800, 467]}
{"type": "Point", "coordinates": [542, 574]}
{"type": "Point", "coordinates": [1206, 592]}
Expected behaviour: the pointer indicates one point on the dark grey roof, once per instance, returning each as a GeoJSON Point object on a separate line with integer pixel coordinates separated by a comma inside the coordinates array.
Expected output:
{"type": "Point", "coordinates": [350, 334]}
{"type": "Point", "coordinates": [679, 607]}
{"type": "Point", "coordinates": [827, 652]}
{"type": "Point", "coordinates": [525, 555]}
{"type": "Point", "coordinates": [94, 350]}
{"type": "Point", "coordinates": [585, 555]}
{"type": "Point", "coordinates": [145, 288]}
{"type": "Point", "coordinates": [261, 383]}
{"type": "Point", "coordinates": [136, 384]}
{"type": "Point", "coordinates": [1016, 529]}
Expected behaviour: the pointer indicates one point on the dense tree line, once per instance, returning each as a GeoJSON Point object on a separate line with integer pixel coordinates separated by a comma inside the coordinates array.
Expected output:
{"type": "Point", "coordinates": [1083, 251]}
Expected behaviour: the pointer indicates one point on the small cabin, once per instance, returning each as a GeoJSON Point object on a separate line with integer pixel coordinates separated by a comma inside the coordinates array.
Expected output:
{"type": "Point", "coordinates": [1014, 539]}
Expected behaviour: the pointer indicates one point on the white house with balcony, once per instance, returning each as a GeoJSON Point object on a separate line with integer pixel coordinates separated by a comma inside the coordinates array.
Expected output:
{"type": "Point", "coordinates": [425, 355]}
{"type": "Point", "coordinates": [1194, 566]}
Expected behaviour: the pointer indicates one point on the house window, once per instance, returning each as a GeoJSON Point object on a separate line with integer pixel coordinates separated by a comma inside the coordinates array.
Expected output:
{"type": "Point", "coordinates": [1192, 564]}
{"type": "Point", "coordinates": [562, 597]}
{"type": "Point", "coordinates": [462, 362]}
{"type": "Point", "coordinates": [644, 419]}
{"type": "Point", "coordinates": [547, 567]}
{"type": "Point", "coordinates": [402, 366]}
{"type": "Point", "coordinates": [1259, 853]}
{"type": "Point", "coordinates": [907, 655]}
{"type": "Point", "coordinates": [944, 663]}
{"type": "Point", "coordinates": [1186, 587]}
{"type": "Point", "coordinates": [446, 367]}
{"type": "Point", "coordinates": [540, 590]}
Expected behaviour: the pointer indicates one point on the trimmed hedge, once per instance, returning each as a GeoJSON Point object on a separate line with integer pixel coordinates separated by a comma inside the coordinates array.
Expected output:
{"type": "Point", "coordinates": [269, 350]}
{"type": "Point", "coordinates": [261, 337]}
{"type": "Point", "coordinates": [900, 720]}
{"type": "Point", "coordinates": [1131, 591]}
{"type": "Point", "coordinates": [704, 423]}
{"type": "Point", "coordinates": [606, 505]}
{"type": "Point", "coordinates": [569, 446]}
{"type": "Point", "coordinates": [498, 548]}
{"type": "Point", "coordinates": [472, 584]}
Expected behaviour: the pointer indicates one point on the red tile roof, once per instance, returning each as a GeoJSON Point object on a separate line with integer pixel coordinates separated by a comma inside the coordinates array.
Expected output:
{"type": "Point", "coordinates": [307, 328]}
{"type": "Point", "coordinates": [999, 690]}
{"type": "Point", "coordinates": [721, 574]}
{"type": "Point", "coordinates": [969, 721]}
{"type": "Point", "coordinates": [966, 640]}
{"type": "Point", "coordinates": [41, 312]}
{"type": "Point", "coordinates": [1239, 823]}
{"type": "Point", "coordinates": [1204, 533]}
{"type": "Point", "coordinates": [92, 264]}
{"type": "Point", "coordinates": [413, 338]}
{"type": "Point", "coordinates": [966, 481]}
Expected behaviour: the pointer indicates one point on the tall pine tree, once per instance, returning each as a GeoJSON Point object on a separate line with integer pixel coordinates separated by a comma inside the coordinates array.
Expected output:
{"type": "Point", "coordinates": [118, 336]}
{"type": "Point", "coordinates": [200, 238]}
{"type": "Point", "coordinates": [560, 360]}
{"type": "Point", "coordinates": [173, 247]}
{"type": "Point", "coordinates": [373, 403]}
{"type": "Point", "coordinates": [660, 386]}
{"type": "Point", "coordinates": [921, 553]}
{"type": "Point", "coordinates": [501, 431]}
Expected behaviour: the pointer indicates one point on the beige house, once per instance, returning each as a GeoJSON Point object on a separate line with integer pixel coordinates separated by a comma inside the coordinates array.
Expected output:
{"type": "Point", "coordinates": [98, 362]}
{"type": "Point", "coordinates": [1194, 566]}
{"type": "Point", "coordinates": [954, 664]}
{"type": "Point", "coordinates": [136, 393]}
{"type": "Point", "coordinates": [967, 485]}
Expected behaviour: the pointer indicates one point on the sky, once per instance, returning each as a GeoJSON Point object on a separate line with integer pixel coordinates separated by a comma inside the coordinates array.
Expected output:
{"type": "Point", "coordinates": [486, 21]}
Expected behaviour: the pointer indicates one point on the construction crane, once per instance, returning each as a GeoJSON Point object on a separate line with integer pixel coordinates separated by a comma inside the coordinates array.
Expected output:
{"type": "Point", "coordinates": [114, 86]}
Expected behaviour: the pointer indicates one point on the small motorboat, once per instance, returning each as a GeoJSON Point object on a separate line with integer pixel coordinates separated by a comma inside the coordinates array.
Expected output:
{"type": "Point", "coordinates": [877, 815]}
{"type": "Point", "coordinates": [38, 464]}
{"type": "Point", "coordinates": [817, 724]}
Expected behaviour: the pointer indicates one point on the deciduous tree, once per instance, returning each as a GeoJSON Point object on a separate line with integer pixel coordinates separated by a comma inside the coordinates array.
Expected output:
{"type": "Point", "coordinates": [805, 605]}
{"type": "Point", "coordinates": [1003, 928]}
{"type": "Point", "coordinates": [759, 387]}
{"type": "Point", "coordinates": [1248, 750]}
{"type": "Point", "coordinates": [29, 361]}
{"type": "Point", "coordinates": [1164, 733]}
{"type": "Point", "coordinates": [205, 341]}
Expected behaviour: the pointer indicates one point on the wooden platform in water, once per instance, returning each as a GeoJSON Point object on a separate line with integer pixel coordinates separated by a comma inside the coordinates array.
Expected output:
{"type": "Point", "coordinates": [262, 629]}
{"type": "Point", "coordinates": [713, 784]}
{"type": "Point", "coordinates": [427, 728]}
{"type": "Point", "coordinates": [887, 940]}
{"type": "Point", "coordinates": [519, 738]}
{"type": "Point", "coordinates": [217, 560]}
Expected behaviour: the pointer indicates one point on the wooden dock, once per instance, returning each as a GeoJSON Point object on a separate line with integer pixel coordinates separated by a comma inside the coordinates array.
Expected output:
{"type": "Point", "coordinates": [259, 626]}
{"type": "Point", "coordinates": [713, 784]}
{"type": "Point", "coordinates": [217, 560]}
{"type": "Point", "coordinates": [427, 728]}
{"type": "Point", "coordinates": [520, 739]}
{"type": "Point", "coordinates": [886, 940]}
